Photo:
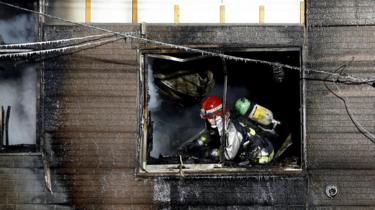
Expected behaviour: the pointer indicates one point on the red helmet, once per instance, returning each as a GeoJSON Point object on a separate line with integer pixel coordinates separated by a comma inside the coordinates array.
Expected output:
{"type": "Point", "coordinates": [212, 106]}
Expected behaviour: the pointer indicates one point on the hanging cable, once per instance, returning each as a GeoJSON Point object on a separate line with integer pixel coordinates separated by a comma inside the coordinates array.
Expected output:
{"type": "Point", "coordinates": [62, 50]}
{"type": "Point", "coordinates": [224, 132]}
{"type": "Point", "coordinates": [55, 43]}
{"type": "Point", "coordinates": [187, 49]}
{"type": "Point", "coordinates": [351, 77]}
{"type": "Point", "coordinates": [345, 82]}
{"type": "Point", "coordinates": [359, 127]}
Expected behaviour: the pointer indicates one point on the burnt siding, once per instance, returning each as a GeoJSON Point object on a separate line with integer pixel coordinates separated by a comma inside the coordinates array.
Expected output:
{"type": "Point", "coordinates": [333, 141]}
{"type": "Point", "coordinates": [341, 12]}
{"type": "Point", "coordinates": [340, 33]}
{"type": "Point", "coordinates": [22, 184]}
{"type": "Point", "coordinates": [230, 191]}
{"type": "Point", "coordinates": [355, 187]}
{"type": "Point", "coordinates": [95, 149]}
{"type": "Point", "coordinates": [91, 123]}
{"type": "Point", "coordinates": [228, 35]}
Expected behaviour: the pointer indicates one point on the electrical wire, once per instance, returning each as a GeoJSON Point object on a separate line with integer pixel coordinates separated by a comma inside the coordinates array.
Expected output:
{"type": "Point", "coordinates": [60, 42]}
{"type": "Point", "coordinates": [223, 136]}
{"type": "Point", "coordinates": [62, 50]}
{"type": "Point", "coordinates": [359, 127]}
{"type": "Point", "coordinates": [346, 82]}
{"type": "Point", "coordinates": [187, 49]}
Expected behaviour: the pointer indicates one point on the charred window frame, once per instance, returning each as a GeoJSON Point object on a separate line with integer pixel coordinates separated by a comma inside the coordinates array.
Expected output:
{"type": "Point", "coordinates": [292, 56]}
{"type": "Point", "coordinates": [19, 119]}
{"type": "Point", "coordinates": [29, 74]}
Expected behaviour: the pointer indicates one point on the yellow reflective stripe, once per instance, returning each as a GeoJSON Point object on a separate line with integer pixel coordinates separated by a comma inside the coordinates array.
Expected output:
{"type": "Point", "coordinates": [204, 138]}
{"type": "Point", "coordinates": [263, 160]}
{"type": "Point", "coordinates": [252, 132]}
{"type": "Point", "coordinates": [266, 159]}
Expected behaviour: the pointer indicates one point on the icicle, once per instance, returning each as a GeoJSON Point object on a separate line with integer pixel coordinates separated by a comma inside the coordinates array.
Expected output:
{"type": "Point", "coordinates": [54, 43]}
{"type": "Point", "coordinates": [62, 50]}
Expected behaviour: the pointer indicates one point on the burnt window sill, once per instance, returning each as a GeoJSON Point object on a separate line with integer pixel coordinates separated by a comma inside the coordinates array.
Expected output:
{"type": "Point", "coordinates": [216, 170]}
{"type": "Point", "coordinates": [24, 149]}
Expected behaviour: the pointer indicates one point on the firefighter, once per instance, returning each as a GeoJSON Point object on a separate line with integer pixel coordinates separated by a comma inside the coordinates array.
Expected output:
{"type": "Point", "coordinates": [243, 145]}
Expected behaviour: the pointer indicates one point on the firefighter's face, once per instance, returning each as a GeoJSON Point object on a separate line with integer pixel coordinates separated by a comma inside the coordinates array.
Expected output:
{"type": "Point", "coordinates": [214, 121]}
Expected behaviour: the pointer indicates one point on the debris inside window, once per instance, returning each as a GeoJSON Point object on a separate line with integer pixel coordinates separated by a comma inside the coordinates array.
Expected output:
{"type": "Point", "coordinates": [201, 110]}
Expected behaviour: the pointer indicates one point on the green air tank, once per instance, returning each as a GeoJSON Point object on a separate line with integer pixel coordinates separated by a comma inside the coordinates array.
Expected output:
{"type": "Point", "coordinates": [255, 112]}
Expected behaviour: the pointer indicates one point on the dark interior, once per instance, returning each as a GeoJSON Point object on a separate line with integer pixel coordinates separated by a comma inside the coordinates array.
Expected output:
{"type": "Point", "coordinates": [174, 120]}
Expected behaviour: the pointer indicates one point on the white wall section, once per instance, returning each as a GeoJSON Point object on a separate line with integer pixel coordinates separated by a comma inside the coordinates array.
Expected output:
{"type": "Point", "coordinates": [73, 10]}
{"type": "Point", "coordinates": [111, 11]}
{"type": "Point", "coordinates": [191, 11]}
{"type": "Point", "coordinates": [156, 11]}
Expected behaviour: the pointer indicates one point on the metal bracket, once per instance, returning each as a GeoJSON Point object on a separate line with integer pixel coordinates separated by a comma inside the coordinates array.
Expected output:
{"type": "Point", "coordinates": [331, 191]}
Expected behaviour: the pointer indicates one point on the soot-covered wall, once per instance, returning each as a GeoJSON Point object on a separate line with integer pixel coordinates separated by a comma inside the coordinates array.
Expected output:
{"type": "Point", "coordinates": [92, 122]}
{"type": "Point", "coordinates": [90, 105]}
{"type": "Point", "coordinates": [340, 32]}
{"type": "Point", "coordinates": [22, 183]}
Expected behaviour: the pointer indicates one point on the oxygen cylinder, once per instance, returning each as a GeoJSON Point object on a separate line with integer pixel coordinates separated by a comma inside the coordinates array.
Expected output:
{"type": "Point", "coordinates": [255, 112]}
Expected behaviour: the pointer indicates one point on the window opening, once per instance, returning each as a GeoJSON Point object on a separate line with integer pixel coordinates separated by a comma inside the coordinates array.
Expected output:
{"type": "Point", "coordinates": [18, 108]}
{"type": "Point", "coordinates": [18, 82]}
{"type": "Point", "coordinates": [183, 111]}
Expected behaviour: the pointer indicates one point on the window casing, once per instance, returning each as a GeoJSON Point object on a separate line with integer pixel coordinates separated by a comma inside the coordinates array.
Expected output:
{"type": "Point", "coordinates": [19, 91]}
{"type": "Point", "coordinates": [169, 119]}
{"type": "Point", "coordinates": [19, 84]}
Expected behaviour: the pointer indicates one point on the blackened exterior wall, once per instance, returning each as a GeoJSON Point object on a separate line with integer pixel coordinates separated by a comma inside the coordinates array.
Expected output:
{"type": "Point", "coordinates": [341, 13]}
{"type": "Point", "coordinates": [337, 32]}
{"type": "Point", "coordinates": [90, 117]}
{"type": "Point", "coordinates": [22, 185]}
{"type": "Point", "coordinates": [90, 121]}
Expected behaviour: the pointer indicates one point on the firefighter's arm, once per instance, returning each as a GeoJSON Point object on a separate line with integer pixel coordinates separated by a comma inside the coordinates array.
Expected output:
{"type": "Point", "coordinates": [233, 142]}
{"type": "Point", "coordinates": [195, 144]}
